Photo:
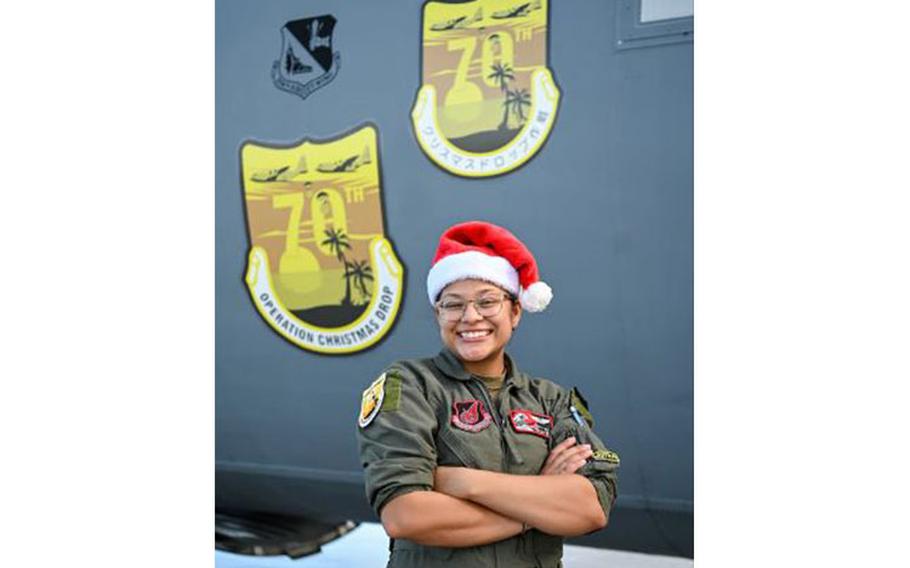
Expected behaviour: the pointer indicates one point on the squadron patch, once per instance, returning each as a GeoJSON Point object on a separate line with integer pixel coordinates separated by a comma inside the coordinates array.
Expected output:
{"type": "Point", "coordinates": [470, 415]}
{"type": "Point", "coordinates": [322, 271]}
{"type": "Point", "coordinates": [307, 61]}
{"type": "Point", "coordinates": [527, 422]}
{"type": "Point", "coordinates": [371, 401]}
{"type": "Point", "coordinates": [608, 456]}
{"type": "Point", "coordinates": [488, 100]}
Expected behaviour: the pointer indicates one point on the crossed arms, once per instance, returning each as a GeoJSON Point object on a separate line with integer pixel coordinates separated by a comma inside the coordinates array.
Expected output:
{"type": "Point", "coordinates": [471, 507]}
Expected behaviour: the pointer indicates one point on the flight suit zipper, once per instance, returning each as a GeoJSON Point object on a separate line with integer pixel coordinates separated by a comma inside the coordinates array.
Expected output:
{"type": "Point", "coordinates": [502, 443]}
{"type": "Point", "coordinates": [495, 411]}
{"type": "Point", "coordinates": [509, 453]}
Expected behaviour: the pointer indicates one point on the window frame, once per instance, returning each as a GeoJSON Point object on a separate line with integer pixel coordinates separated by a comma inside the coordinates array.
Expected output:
{"type": "Point", "coordinates": [632, 33]}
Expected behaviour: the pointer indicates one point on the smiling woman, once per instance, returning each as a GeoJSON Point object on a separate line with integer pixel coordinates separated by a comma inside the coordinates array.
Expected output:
{"type": "Point", "coordinates": [467, 459]}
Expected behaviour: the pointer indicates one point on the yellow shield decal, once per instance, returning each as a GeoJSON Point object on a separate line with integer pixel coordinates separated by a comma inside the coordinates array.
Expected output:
{"type": "Point", "coordinates": [371, 401]}
{"type": "Point", "coordinates": [321, 271]}
{"type": "Point", "coordinates": [488, 100]}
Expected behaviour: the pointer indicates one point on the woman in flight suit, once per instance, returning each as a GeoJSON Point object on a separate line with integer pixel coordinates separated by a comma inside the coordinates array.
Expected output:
{"type": "Point", "coordinates": [468, 460]}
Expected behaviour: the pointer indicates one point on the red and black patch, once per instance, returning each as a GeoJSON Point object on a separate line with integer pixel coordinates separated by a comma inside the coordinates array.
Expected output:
{"type": "Point", "coordinates": [527, 422]}
{"type": "Point", "coordinates": [470, 415]}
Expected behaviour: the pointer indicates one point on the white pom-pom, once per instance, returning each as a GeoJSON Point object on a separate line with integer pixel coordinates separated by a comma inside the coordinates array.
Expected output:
{"type": "Point", "coordinates": [536, 297]}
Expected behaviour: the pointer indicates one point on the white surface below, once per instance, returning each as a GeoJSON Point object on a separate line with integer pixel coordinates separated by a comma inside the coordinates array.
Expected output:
{"type": "Point", "coordinates": [367, 547]}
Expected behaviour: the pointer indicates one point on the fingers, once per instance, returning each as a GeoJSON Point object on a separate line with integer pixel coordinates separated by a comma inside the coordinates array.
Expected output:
{"type": "Point", "coordinates": [566, 458]}
{"type": "Point", "coordinates": [572, 459]}
{"type": "Point", "coordinates": [573, 465]}
{"type": "Point", "coordinates": [557, 451]}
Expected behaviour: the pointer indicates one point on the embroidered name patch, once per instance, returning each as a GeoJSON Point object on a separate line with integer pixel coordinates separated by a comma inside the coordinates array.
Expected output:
{"type": "Point", "coordinates": [608, 456]}
{"type": "Point", "coordinates": [470, 415]}
{"type": "Point", "coordinates": [527, 422]}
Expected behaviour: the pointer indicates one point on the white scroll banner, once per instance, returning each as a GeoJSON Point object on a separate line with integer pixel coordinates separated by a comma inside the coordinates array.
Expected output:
{"type": "Point", "coordinates": [544, 101]}
{"type": "Point", "coordinates": [370, 327]}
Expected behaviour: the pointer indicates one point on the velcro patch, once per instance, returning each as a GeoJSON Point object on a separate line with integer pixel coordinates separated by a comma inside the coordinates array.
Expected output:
{"type": "Point", "coordinates": [580, 405]}
{"type": "Point", "coordinates": [605, 455]}
{"type": "Point", "coordinates": [470, 415]}
{"type": "Point", "coordinates": [371, 401]}
{"type": "Point", "coordinates": [392, 393]}
{"type": "Point", "coordinates": [527, 422]}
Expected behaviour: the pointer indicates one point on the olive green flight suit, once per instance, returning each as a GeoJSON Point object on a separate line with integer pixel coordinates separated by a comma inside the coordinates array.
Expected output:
{"type": "Point", "coordinates": [421, 425]}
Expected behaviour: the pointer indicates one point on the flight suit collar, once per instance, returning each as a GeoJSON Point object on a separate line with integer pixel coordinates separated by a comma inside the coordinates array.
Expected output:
{"type": "Point", "coordinates": [449, 364]}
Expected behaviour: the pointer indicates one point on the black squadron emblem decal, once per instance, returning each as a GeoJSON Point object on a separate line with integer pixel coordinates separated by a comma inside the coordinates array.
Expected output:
{"type": "Point", "coordinates": [307, 62]}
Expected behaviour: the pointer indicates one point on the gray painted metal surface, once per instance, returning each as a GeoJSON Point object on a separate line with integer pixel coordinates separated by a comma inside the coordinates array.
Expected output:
{"type": "Point", "coordinates": [605, 205]}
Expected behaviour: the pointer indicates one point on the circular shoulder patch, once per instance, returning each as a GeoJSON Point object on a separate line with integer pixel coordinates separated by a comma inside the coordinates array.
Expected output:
{"type": "Point", "coordinates": [371, 401]}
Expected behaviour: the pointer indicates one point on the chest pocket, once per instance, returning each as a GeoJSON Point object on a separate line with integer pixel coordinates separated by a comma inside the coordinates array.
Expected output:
{"type": "Point", "coordinates": [531, 449]}
{"type": "Point", "coordinates": [478, 450]}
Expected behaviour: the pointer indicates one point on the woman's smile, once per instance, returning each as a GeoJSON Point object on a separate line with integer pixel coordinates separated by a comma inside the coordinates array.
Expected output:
{"type": "Point", "coordinates": [474, 335]}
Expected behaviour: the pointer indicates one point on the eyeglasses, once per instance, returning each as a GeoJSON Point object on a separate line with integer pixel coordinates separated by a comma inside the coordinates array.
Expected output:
{"type": "Point", "coordinates": [486, 306]}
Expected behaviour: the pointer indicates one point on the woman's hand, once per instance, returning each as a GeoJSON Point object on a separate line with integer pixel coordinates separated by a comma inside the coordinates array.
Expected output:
{"type": "Point", "coordinates": [453, 481]}
{"type": "Point", "coordinates": [567, 457]}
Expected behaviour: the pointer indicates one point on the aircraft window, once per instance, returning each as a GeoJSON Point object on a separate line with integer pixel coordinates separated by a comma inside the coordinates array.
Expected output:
{"type": "Point", "coordinates": [654, 10]}
{"type": "Point", "coordinates": [645, 23]}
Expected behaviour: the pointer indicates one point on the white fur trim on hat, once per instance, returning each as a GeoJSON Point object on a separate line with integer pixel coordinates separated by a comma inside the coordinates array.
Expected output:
{"type": "Point", "coordinates": [537, 297]}
{"type": "Point", "coordinates": [471, 264]}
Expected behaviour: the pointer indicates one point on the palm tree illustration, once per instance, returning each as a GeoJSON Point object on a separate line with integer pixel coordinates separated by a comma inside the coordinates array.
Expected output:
{"type": "Point", "coordinates": [520, 99]}
{"type": "Point", "coordinates": [360, 272]}
{"type": "Point", "coordinates": [502, 74]}
{"type": "Point", "coordinates": [506, 107]}
{"type": "Point", "coordinates": [337, 241]}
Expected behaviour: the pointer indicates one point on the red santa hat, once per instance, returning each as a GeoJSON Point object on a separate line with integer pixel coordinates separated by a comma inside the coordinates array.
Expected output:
{"type": "Point", "coordinates": [487, 252]}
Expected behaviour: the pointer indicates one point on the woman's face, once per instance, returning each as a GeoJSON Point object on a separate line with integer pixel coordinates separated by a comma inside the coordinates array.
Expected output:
{"type": "Point", "coordinates": [478, 341]}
